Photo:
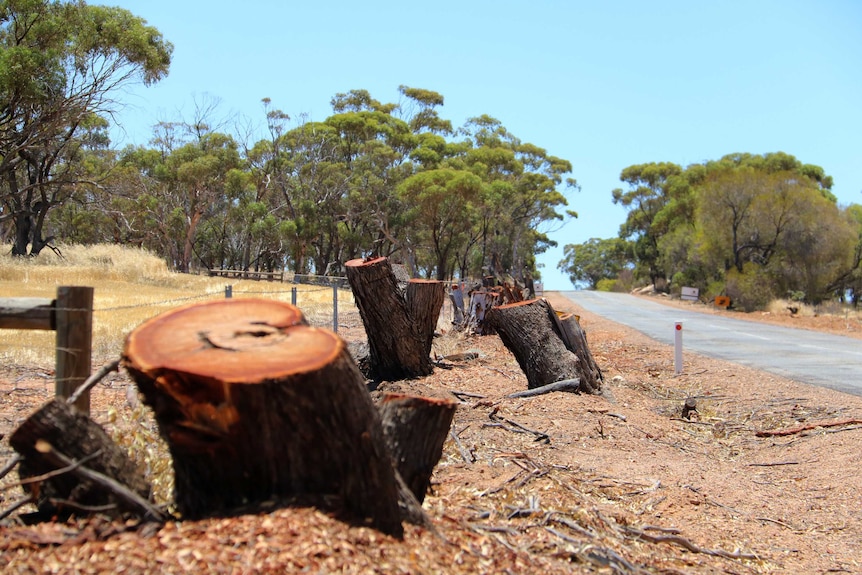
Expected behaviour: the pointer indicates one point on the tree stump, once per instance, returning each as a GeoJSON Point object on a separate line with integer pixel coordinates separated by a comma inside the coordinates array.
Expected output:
{"type": "Point", "coordinates": [256, 407]}
{"type": "Point", "coordinates": [480, 302]}
{"type": "Point", "coordinates": [529, 331]}
{"type": "Point", "coordinates": [77, 437]}
{"type": "Point", "coordinates": [416, 429]}
{"type": "Point", "coordinates": [399, 325]}
{"type": "Point", "coordinates": [456, 296]}
{"type": "Point", "coordinates": [576, 341]}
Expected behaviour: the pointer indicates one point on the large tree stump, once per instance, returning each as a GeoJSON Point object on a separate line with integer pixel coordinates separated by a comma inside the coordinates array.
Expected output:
{"type": "Point", "coordinates": [72, 434]}
{"type": "Point", "coordinates": [256, 406]}
{"type": "Point", "coordinates": [416, 429]}
{"type": "Point", "coordinates": [529, 331]}
{"type": "Point", "coordinates": [399, 325]}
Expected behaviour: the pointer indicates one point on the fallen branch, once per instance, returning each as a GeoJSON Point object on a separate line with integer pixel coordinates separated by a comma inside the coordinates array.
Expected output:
{"type": "Point", "coordinates": [56, 472]}
{"type": "Point", "coordinates": [10, 466]}
{"type": "Point", "coordinates": [91, 381]}
{"type": "Point", "coordinates": [118, 489]}
{"type": "Point", "coordinates": [774, 464]}
{"type": "Point", "coordinates": [517, 427]}
{"type": "Point", "coordinates": [810, 426]}
{"type": "Point", "coordinates": [462, 394]}
{"type": "Point", "coordinates": [570, 385]}
{"type": "Point", "coordinates": [686, 544]}
{"type": "Point", "coordinates": [16, 506]}
{"type": "Point", "coordinates": [465, 455]}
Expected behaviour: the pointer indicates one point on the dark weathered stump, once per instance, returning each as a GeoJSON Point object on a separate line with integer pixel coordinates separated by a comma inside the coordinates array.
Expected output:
{"type": "Point", "coordinates": [529, 331]}
{"type": "Point", "coordinates": [576, 341]}
{"type": "Point", "coordinates": [399, 325]}
{"type": "Point", "coordinates": [73, 435]}
{"type": "Point", "coordinates": [416, 429]}
{"type": "Point", "coordinates": [256, 406]}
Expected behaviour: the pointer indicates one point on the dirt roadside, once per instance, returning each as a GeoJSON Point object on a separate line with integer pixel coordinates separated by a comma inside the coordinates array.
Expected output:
{"type": "Point", "coordinates": [617, 484]}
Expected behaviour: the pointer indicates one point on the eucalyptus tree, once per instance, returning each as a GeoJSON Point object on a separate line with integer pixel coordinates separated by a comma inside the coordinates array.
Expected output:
{"type": "Point", "coordinates": [374, 146]}
{"type": "Point", "coordinates": [594, 260]}
{"type": "Point", "coordinates": [774, 216]}
{"type": "Point", "coordinates": [521, 194]}
{"type": "Point", "coordinates": [442, 207]}
{"type": "Point", "coordinates": [649, 193]}
{"type": "Point", "coordinates": [60, 63]}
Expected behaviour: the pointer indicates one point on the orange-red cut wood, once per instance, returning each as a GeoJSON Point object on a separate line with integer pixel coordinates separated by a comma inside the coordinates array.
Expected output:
{"type": "Point", "coordinates": [235, 341]}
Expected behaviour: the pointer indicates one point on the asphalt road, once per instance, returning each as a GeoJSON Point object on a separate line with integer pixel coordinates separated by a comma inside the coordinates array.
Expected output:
{"type": "Point", "coordinates": [801, 355]}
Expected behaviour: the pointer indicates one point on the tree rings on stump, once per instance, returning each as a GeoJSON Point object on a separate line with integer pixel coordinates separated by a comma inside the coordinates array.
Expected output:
{"type": "Point", "coordinates": [256, 406]}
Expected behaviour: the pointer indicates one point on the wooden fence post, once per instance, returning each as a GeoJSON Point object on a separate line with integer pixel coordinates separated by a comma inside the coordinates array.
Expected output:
{"type": "Point", "coordinates": [74, 317]}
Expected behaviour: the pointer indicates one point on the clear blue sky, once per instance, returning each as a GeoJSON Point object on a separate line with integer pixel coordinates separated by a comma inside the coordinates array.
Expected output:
{"type": "Point", "coordinates": [602, 84]}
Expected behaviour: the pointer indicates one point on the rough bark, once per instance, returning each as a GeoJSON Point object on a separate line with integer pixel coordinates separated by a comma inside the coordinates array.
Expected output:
{"type": "Point", "coordinates": [529, 331]}
{"type": "Point", "coordinates": [77, 437]}
{"type": "Point", "coordinates": [258, 407]}
{"type": "Point", "coordinates": [399, 325]}
{"type": "Point", "coordinates": [575, 339]}
{"type": "Point", "coordinates": [416, 429]}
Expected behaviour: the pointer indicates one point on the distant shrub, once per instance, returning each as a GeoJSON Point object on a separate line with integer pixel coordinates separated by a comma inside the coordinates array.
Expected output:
{"type": "Point", "coordinates": [606, 285]}
{"type": "Point", "coordinates": [750, 290]}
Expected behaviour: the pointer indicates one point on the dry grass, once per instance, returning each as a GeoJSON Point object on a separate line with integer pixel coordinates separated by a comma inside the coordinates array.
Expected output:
{"type": "Point", "coordinates": [131, 286]}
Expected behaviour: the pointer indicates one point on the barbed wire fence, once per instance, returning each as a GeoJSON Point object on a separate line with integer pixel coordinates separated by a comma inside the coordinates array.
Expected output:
{"type": "Point", "coordinates": [326, 302]}
{"type": "Point", "coordinates": [328, 306]}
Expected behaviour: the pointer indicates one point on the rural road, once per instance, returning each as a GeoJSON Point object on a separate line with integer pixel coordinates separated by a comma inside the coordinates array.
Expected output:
{"type": "Point", "coordinates": [801, 355]}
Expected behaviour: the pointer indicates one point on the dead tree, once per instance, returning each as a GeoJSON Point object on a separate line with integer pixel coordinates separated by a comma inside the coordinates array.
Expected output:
{"type": "Point", "coordinates": [415, 429]}
{"type": "Point", "coordinates": [256, 407]}
{"type": "Point", "coordinates": [399, 324]}
{"type": "Point", "coordinates": [59, 437]}
{"type": "Point", "coordinates": [546, 351]}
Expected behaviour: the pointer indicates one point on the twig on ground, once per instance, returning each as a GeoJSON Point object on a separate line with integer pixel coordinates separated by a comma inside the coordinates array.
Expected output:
{"type": "Point", "coordinates": [810, 426]}
{"type": "Point", "coordinates": [774, 464]}
{"type": "Point", "coordinates": [53, 473]}
{"type": "Point", "coordinates": [686, 544]}
{"type": "Point", "coordinates": [516, 427]}
{"type": "Point", "coordinates": [10, 465]}
{"type": "Point", "coordinates": [15, 507]}
{"type": "Point", "coordinates": [91, 381]}
{"type": "Point", "coordinates": [467, 456]}
{"type": "Point", "coordinates": [121, 491]}
{"type": "Point", "coordinates": [777, 522]}
{"type": "Point", "coordinates": [462, 394]}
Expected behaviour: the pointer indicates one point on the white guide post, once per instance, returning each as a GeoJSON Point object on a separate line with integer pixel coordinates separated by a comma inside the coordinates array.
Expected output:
{"type": "Point", "coordinates": [677, 344]}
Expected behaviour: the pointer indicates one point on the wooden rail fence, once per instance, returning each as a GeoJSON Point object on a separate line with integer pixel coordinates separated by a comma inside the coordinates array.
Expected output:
{"type": "Point", "coordinates": [247, 275]}
{"type": "Point", "coordinates": [71, 316]}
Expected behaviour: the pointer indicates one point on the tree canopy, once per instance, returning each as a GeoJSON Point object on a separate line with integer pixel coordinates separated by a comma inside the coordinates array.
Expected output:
{"type": "Point", "coordinates": [61, 63]}
{"type": "Point", "coordinates": [755, 227]}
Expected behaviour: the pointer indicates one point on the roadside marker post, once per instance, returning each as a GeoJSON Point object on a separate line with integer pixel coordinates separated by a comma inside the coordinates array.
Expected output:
{"type": "Point", "coordinates": [677, 341]}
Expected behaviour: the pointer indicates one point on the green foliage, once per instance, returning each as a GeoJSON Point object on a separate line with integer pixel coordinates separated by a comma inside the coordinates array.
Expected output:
{"type": "Point", "coordinates": [60, 64]}
{"type": "Point", "coordinates": [752, 289]}
{"type": "Point", "coordinates": [594, 260]}
{"type": "Point", "coordinates": [754, 225]}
